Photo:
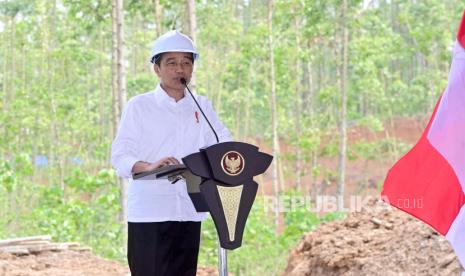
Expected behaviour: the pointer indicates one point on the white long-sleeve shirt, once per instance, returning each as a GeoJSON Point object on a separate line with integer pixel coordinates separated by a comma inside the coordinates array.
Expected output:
{"type": "Point", "coordinates": [153, 126]}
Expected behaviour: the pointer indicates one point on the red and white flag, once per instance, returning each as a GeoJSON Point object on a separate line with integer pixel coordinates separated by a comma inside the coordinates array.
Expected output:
{"type": "Point", "coordinates": [429, 181]}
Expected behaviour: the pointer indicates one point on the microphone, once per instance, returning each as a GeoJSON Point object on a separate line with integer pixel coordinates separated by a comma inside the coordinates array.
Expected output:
{"type": "Point", "coordinates": [184, 82]}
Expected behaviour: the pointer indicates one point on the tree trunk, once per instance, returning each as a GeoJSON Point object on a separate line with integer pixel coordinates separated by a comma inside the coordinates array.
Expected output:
{"type": "Point", "coordinates": [308, 101]}
{"type": "Point", "coordinates": [102, 101]}
{"type": "Point", "coordinates": [119, 88]}
{"type": "Point", "coordinates": [274, 116]}
{"type": "Point", "coordinates": [114, 72]}
{"type": "Point", "coordinates": [5, 88]}
{"type": "Point", "coordinates": [121, 57]}
{"type": "Point", "coordinates": [298, 105]}
{"type": "Point", "coordinates": [191, 29]}
{"type": "Point", "coordinates": [343, 123]}
{"type": "Point", "coordinates": [191, 19]}
{"type": "Point", "coordinates": [246, 20]}
{"type": "Point", "coordinates": [432, 87]}
{"type": "Point", "coordinates": [13, 56]}
{"type": "Point", "coordinates": [158, 17]}
{"type": "Point", "coordinates": [121, 95]}
{"type": "Point", "coordinates": [246, 130]}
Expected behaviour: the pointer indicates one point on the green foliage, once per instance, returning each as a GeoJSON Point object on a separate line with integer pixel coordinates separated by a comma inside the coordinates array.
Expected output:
{"type": "Point", "coordinates": [85, 212]}
{"type": "Point", "coordinates": [378, 149]}
{"type": "Point", "coordinates": [331, 149]}
{"type": "Point", "coordinates": [372, 123]}
{"type": "Point", "coordinates": [7, 177]}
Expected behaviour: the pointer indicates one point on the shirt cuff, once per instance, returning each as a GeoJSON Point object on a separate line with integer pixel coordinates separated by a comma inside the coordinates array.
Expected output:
{"type": "Point", "coordinates": [125, 166]}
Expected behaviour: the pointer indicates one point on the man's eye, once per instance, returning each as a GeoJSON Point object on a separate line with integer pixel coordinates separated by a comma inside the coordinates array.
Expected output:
{"type": "Point", "coordinates": [171, 63]}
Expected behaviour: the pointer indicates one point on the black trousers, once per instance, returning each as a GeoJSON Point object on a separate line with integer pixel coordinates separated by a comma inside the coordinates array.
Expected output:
{"type": "Point", "coordinates": [163, 248]}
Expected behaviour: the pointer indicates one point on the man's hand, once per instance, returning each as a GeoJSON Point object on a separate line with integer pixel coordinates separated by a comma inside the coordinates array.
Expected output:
{"type": "Point", "coordinates": [142, 166]}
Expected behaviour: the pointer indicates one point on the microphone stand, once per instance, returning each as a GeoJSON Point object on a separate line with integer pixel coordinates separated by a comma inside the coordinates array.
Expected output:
{"type": "Point", "coordinates": [183, 81]}
{"type": "Point", "coordinates": [222, 253]}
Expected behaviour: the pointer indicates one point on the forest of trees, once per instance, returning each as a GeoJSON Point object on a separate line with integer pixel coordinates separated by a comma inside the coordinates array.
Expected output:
{"type": "Point", "coordinates": [278, 72]}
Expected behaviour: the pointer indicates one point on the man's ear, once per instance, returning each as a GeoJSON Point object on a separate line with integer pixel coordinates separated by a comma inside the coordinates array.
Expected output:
{"type": "Point", "coordinates": [156, 69]}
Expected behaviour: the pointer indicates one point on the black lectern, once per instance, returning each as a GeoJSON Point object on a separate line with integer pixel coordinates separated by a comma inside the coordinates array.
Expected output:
{"type": "Point", "coordinates": [227, 186]}
{"type": "Point", "coordinates": [219, 180]}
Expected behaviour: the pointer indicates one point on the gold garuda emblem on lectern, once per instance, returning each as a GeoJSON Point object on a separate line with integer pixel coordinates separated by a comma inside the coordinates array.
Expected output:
{"type": "Point", "coordinates": [232, 163]}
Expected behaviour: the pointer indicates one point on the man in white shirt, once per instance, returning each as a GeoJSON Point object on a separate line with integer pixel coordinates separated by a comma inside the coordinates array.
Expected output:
{"type": "Point", "coordinates": [158, 128]}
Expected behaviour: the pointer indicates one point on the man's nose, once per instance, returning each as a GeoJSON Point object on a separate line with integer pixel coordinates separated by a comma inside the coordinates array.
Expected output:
{"type": "Point", "coordinates": [179, 68]}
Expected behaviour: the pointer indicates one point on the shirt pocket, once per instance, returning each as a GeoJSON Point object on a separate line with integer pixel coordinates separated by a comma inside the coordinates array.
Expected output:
{"type": "Point", "coordinates": [192, 132]}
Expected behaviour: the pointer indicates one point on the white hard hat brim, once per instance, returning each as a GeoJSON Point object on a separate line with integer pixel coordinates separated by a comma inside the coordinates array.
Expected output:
{"type": "Point", "coordinates": [196, 55]}
{"type": "Point", "coordinates": [173, 41]}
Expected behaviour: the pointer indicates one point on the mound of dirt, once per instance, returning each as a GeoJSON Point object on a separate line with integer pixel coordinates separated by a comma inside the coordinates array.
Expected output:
{"type": "Point", "coordinates": [65, 263]}
{"type": "Point", "coordinates": [68, 263]}
{"type": "Point", "coordinates": [379, 240]}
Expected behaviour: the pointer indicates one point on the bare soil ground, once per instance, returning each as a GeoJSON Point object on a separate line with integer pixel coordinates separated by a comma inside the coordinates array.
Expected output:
{"type": "Point", "coordinates": [68, 263]}
{"type": "Point", "coordinates": [362, 176]}
{"type": "Point", "coordinates": [379, 240]}
{"type": "Point", "coordinates": [64, 263]}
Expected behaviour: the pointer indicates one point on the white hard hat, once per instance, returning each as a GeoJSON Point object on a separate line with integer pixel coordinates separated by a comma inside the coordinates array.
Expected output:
{"type": "Point", "coordinates": [173, 41]}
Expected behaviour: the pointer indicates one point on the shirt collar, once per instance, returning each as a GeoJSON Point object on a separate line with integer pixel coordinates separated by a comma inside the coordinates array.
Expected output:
{"type": "Point", "coordinates": [163, 98]}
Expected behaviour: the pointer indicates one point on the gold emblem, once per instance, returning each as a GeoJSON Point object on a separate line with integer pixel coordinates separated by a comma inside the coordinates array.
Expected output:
{"type": "Point", "coordinates": [232, 163]}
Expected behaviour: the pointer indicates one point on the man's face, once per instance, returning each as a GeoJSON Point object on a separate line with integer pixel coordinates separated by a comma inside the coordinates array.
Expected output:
{"type": "Point", "coordinates": [173, 67]}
